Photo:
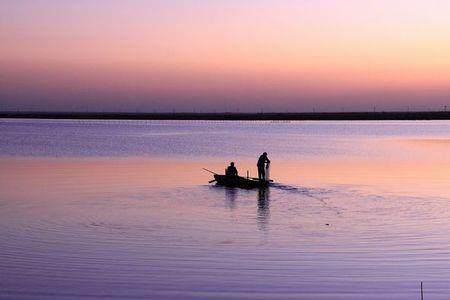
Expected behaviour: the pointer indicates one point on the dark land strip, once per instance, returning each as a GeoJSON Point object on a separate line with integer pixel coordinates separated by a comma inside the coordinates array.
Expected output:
{"type": "Point", "coordinates": [318, 116]}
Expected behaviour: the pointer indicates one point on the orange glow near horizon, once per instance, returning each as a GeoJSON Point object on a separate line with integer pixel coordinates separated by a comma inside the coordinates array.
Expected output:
{"type": "Point", "coordinates": [427, 178]}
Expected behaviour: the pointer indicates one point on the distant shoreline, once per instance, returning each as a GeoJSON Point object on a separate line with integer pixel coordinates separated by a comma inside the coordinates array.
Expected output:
{"type": "Point", "coordinates": [318, 116]}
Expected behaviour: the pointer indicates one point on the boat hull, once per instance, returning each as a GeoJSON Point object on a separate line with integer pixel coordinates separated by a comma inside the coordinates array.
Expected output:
{"type": "Point", "coordinates": [240, 182]}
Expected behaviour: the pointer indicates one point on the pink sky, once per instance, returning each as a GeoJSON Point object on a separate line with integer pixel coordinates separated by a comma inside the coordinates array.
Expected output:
{"type": "Point", "coordinates": [224, 55]}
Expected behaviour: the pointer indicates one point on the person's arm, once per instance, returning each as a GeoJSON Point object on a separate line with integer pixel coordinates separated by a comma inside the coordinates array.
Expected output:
{"type": "Point", "coordinates": [267, 160]}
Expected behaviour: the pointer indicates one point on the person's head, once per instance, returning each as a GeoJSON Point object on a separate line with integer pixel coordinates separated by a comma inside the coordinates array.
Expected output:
{"type": "Point", "coordinates": [232, 164]}
{"type": "Point", "coordinates": [265, 153]}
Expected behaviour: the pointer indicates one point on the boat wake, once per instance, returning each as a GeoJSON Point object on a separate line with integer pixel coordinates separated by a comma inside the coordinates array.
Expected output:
{"type": "Point", "coordinates": [318, 194]}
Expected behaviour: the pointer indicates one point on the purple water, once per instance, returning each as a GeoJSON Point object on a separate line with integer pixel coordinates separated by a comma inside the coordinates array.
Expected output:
{"type": "Point", "coordinates": [122, 210]}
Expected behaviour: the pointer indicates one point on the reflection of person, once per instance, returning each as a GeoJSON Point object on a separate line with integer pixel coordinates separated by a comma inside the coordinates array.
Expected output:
{"type": "Point", "coordinates": [231, 170]}
{"type": "Point", "coordinates": [230, 195]}
{"type": "Point", "coordinates": [261, 166]}
{"type": "Point", "coordinates": [263, 209]}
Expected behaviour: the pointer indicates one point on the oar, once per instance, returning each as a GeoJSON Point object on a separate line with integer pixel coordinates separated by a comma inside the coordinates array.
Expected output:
{"type": "Point", "coordinates": [211, 181]}
{"type": "Point", "coordinates": [209, 171]}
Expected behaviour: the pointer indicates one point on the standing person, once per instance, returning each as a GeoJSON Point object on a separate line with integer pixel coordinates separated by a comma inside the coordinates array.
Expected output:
{"type": "Point", "coordinates": [261, 166]}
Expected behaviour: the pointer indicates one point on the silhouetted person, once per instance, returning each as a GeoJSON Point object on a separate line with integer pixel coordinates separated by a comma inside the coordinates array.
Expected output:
{"type": "Point", "coordinates": [262, 166]}
{"type": "Point", "coordinates": [231, 170]}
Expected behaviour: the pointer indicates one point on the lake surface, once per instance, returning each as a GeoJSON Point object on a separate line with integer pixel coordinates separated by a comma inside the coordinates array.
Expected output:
{"type": "Point", "coordinates": [123, 210]}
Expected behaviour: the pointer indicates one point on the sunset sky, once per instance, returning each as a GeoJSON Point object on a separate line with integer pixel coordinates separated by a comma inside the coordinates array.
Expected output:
{"type": "Point", "coordinates": [224, 55]}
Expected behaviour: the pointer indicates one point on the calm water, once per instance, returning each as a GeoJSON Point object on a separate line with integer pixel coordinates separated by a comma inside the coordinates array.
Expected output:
{"type": "Point", "coordinates": [123, 210]}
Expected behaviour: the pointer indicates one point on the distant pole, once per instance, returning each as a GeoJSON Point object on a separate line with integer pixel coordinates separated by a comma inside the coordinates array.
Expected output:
{"type": "Point", "coordinates": [421, 290]}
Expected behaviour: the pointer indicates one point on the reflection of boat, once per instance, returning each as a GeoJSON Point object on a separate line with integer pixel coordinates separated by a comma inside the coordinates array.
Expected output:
{"type": "Point", "coordinates": [240, 182]}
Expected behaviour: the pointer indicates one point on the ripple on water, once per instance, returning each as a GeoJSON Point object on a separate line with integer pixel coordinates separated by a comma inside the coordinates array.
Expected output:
{"type": "Point", "coordinates": [211, 242]}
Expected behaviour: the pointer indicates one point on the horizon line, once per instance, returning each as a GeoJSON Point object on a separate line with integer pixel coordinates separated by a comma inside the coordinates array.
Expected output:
{"type": "Point", "coordinates": [231, 116]}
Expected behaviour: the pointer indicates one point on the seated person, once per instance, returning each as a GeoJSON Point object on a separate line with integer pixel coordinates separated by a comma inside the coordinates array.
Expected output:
{"type": "Point", "coordinates": [231, 170]}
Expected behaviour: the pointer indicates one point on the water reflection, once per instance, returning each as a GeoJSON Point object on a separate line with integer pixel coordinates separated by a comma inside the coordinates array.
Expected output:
{"type": "Point", "coordinates": [263, 204]}
{"type": "Point", "coordinates": [124, 223]}
{"type": "Point", "coordinates": [231, 194]}
{"type": "Point", "coordinates": [263, 209]}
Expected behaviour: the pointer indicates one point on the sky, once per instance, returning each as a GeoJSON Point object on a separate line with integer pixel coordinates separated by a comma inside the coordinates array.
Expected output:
{"type": "Point", "coordinates": [224, 55]}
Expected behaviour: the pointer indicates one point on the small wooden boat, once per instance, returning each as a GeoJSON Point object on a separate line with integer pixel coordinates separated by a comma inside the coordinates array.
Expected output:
{"type": "Point", "coordinates": [240, 182]}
